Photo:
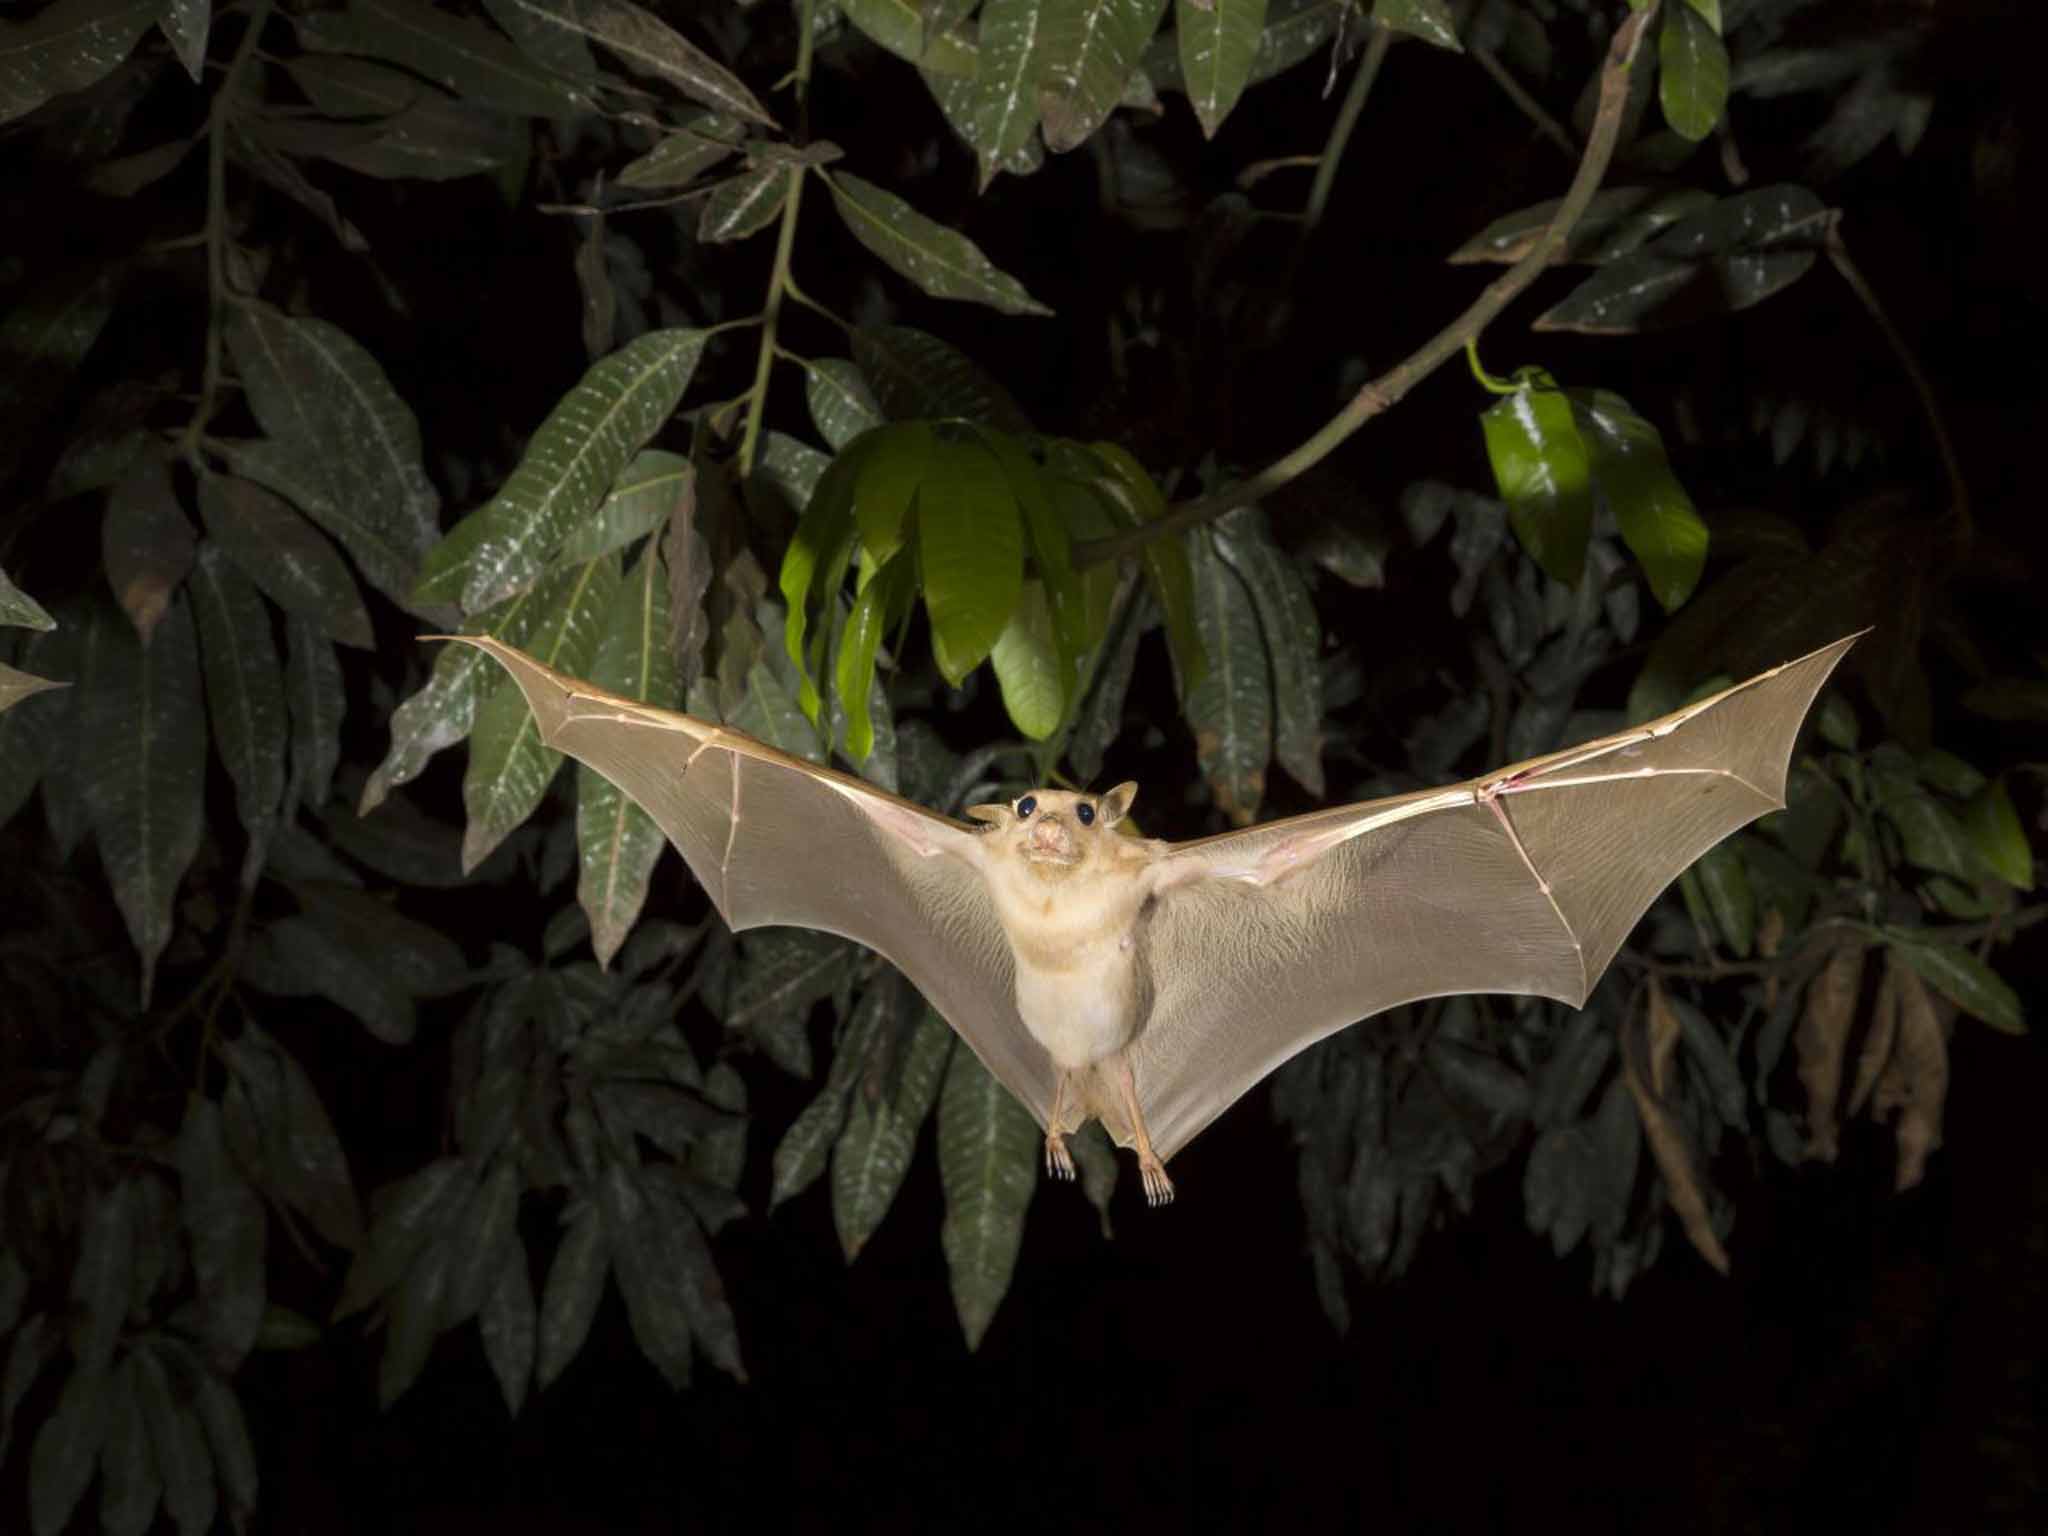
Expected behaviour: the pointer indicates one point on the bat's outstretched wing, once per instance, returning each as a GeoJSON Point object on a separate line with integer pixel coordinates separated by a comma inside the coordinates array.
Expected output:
{"type": "Point", "coordinates": [776, 840]}
{"type": "Point", "coordinates": [1525, 881]}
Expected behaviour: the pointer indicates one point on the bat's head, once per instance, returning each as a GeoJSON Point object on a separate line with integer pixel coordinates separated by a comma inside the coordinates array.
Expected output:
{"type": "Point", "coordinates": [1056, 828]}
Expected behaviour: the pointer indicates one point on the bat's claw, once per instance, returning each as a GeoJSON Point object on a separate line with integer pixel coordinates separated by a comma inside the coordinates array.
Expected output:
{"type": "Point", "coordinates": [1158, 1187]}
{"type": "Point", "coordinates": [1058, 1161]}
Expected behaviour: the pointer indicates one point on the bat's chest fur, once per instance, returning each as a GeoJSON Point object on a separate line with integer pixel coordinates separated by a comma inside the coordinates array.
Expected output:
{"type": "Point", "coordinates": [1080, 982]}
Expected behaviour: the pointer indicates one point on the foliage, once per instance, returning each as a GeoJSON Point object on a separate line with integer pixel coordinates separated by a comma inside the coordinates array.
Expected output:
{"type": "Point", "coordinates": [244, 416]}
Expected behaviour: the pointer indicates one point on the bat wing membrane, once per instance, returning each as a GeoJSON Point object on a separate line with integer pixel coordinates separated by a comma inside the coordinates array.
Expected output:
{"type": "Point", "coordinates": [1428, 894]}
{"type": "Point", "coordinates": [776, 840]}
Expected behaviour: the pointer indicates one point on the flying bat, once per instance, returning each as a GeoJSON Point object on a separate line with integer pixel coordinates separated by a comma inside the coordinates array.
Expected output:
{"type": "Point", "coordinates": [1151, 984]}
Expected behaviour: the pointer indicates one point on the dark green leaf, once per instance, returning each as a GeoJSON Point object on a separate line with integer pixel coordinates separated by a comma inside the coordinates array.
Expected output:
{"type": "Point", "coordinates": [129, 1486]}
{"type": "Point", "coordinates": [940, 261]}
{"type": "Point", "coordinates": [1657, 519]}
{"type": "Point", "coordinates": [1617, 221]}
{"type": "Point", "coordinates": [146, 543]}
{"type": "Point", "coordinates": [179, 1442]}
{"type": "Point", "coordinates": [574, 1288]}
{"type": "Point", "coordinates": [483, 1240]}
{"type": "Point", "coordinates": [418, 1210]}
{"type": "Point", "coordinates": [745, 204]}
{"type": "Point", "coordinates": [285, 556]}
{"type": "Point", "coordinates": [1231, 708]}
{"type": "Point", "coordinates": [144, 799]}
{"type": "Point", "coordinates": [1293, 641]}
{"type": "Point", "coordinates": [227, 1228]}
{"type": "Point", "coordinates": [650, 47]}
{"type": "Point", "coordinates": [914, 374]}
{"type": "Point", "coordinates": [782, 972]}
{"type": "Point", "coordinates": [34, 1345]}
{"type": "Point", "coordinates": [1012, 42]}
{"type": "Point", "coordinates": [1733, 904]}
{"type": "Point", "coordinates": [682, 156]}
{"type": "Point", "coordinates": [1090, 49]}
{"type": "Point", "coordinates": [100, 1278]}
{"type": "Point", "coordinates": [66, 47]}
{"type": "Point", "coordinates": [414, 1319]}
{"type": "Point", "coordinates": [227, 1436]}
{"type": "Point", "coordinates": [988, 1165]}
{"type": "Point", "coordinates": [507, 1325]}
{"type": "Point", "coordinates": [1430, 20]}
{"type": "Point", "coordinates": [66, 1447]}
{"type": "Point", "coordinates": [900, 27]}
{"type": "Point", "coordinates": [244, 687]}
{"type": "Point", "coordinates": [1217, 45]}
{"type": "Point", "coordinates": [317, 703]}
{"type": "Point", "coordinates": [298, 957]}
{"type": "Point", "coordinates": [1963, 979]}
{"type": "Point", "coordinates": [461, 55]}
{"type": "Point", "coordinates": [2009, 698]}
{"type": "Point", "coordinates": [1994, 829]}
{"type": "Point", "coordinates": [303, 1155]}
{"type": "Point", "coordinates": [654, 1303]}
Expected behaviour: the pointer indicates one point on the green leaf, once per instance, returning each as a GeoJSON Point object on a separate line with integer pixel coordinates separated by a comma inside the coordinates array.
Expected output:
{"type": "Point", "coordinates": [894, 461]}
{"type": "Point", "coordinates": [1293, 638]}
{"type": "Point", "coordinates": [1617, 221]}
{"type": "Point", "coordinates": [66, 1447]}
{"type": "Point", "coordinates": [1027, 666]}
{"type": "Point", "coordinates": [570, 464]}
{"type": "Point", "coordinates": [129, 1486]}
{"type": "Point", "coordinates": [178, 1441]}
{"type": "Point", "coordinates": [1217, 45]}
{"type": "Point", "coordinates": [869, 1161]}
{"type": "Point", "coordinates": [900, 27]}
{"type": "Point", "coordinates": [814, 564]}
{"type": "Point", "coordinates": [1013, 37]}
{"type": "Point", "coordinates": [1076, 626]}
{"type": "Point", "coordinates": [1722, 259]}
{"type": "Point", "coordinates": [298, 957]}
{"type": "Point", "coordinates": [800, 1157]}
{"type": "Point", "coordinates": [782, 973]}
{"type": "Point", "coordinates": [1090, 49]}
{"type": "Point", "coordinates": [959, 100]}
{"type": "Point", "coordinates": [287, 558]}
{"type": "Point", "coordinates": [1231, 708]}
{"type": "Point", "coordinates": [413, 1320]}
{"type": "Point", "coordinates": [46, 332]}
{"type": "Point", "coordinates": [507, 1325]}
{"type": "Point", "coordinates": [1129, 492]}
{"type": "Point", "coordinates": [101, 1276]}
{"type": "Point", "coordinates": [317, 702]}
{"type": "Point", "coordinates": [619, 842]}
{"type": "Point", "coordinates": [2009, 698]}
{"type": "Point", "coordinates": [970, 550]}
{"type": "Point", "coordinates": [746, 204]}
{"type": "Point", "coordinates": [144, 799]}
{"type": "Point", "coordinates": [1657, 519]}
{"type": "Point", "coordinates": [654, 1303]}
{"type": "Point", "coordinates": [305, 1164]}
{"type": "Point", "coordinates": [842, 405]}
{"type": "Point", "coordinates": [410, 1214]}
{"type": "Point", "coordinates": [1962, 978]}
{"type": "Point", "coordinates": [1930, 835]}
{"type": "Point", "coordinates": [483, 1240]}
{"type": "Point", "coordinates": [854, 666]}
{"type": "Point", "coordinates": [988, 1166]}
{"type": "Point", "coordinates": [225, 1221]}
{"type": "Point", "coordinates": [227, 1437]}
{"type": "Point", "coordinates": [462, 56]}
{"type": "Point", "coordinates": [682, 156]}
{"type": "Point", "coordinates": [66, 47]}
{"type": "Point", "coordinates": [1541, 465]}
{"type": "Point", "coordinates": [1692, 78]}
{"type": "Point", "coordinates": [332, 414]}
{"type": "Point", "coordinates": [638, 504]}
{"type": "Point", "coordinates": [574, 1287]}
{"type": "Point", "coordinates": [650, 47]}
{"type": "Point", "coordinates": [940, 261]}
{"type": "Point", "coordinates": [17, 607]}
{"type": "Point", "coordinates": [1994, 827]}
{"type": "Point", "coordinates": [244, 687]}
{"type": "Point", "coordinates": [914, 374]}
{"type": "Point", "coordinates": [509, 766]}
{"type": "Point", "coordinates": [1430, 20]}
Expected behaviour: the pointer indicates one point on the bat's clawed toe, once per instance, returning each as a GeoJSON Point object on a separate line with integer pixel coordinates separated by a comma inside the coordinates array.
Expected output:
{"type": "Point", "coordinates": [1158, 1187]}
{"type": "Point", "coordinates": [1059, 1162]}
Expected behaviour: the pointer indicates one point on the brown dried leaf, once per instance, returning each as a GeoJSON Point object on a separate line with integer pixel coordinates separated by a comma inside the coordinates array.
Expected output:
{"type": "Point", "coordinates": [1823, 1039]}
{"type": "Point", "coordinates": [1664, 1032]}
{"type": "Point", "coordinates": [1877, 1045]}
{"type": "Point", "coordinates": [1915, 1082]}
{"type": "Point", "coordinates": [1770, 938]}
{"type": "Point", "coordinates": [1667, 1141]}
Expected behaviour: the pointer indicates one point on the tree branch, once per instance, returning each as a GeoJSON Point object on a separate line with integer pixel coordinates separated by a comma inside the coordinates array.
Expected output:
{"type": "Point", "coordinates": [1384, 391]}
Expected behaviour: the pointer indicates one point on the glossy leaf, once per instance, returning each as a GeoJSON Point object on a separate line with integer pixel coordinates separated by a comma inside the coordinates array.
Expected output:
{"type": "Point", "coordinates": [1013, 38]}
{"type": "Point", "coordinates": [842, 405]}
{"type": "Point", "coordinates": [1542, 467]}
{"type": "Point", "coordinates": [317, 702]}
{"type": "Point", "coordinates": [915, 374]}
{"type": "Point", "coordinates": [745, 204]}
{"type": "Point", "coordinates": [1231, 708]}
{"type": "Point", "coordinates": [1217, 46]}
{"type": "Point", "coordinates": [1090, 49]}
{"type": "Point", "coordinates": [66, 47]}
{"type": "Point", "coordinates": [650, 47]}
{"type": "Point", "coordinates": [288, 559]}
{"type": "Point", "coordinates": [959, 100]}
{"type": "Point", "coordinates": [900, 27]}
{"type": "Point", "coordinates": [988, 1165]}
{"type": "Point", "coordinates": [144, 798]}
{"type": "Point", "coordinates": [1722, 259]}
{"type": "Point", "coordinates": [680, 157]}
{"type": "Point", "coordinates": [1692, 72]}
{"type": "Point", "coordinates": [328, 406]}
{"type": "Point", "coordinates": [889, 590]}
{"type": "Point", "coordinates": [462, 56]}
{"type": "Point", "coordinates": [1076, 622]}
{"type": "Point", "coordinates": [940, 261]}
{"type": "Point", "coordinates": [569, 466]}
{"type": "Point", "coordinates": [618, 842]}
{"type": "Point", "coordinates": [1617, 221]}
{"type": "Point", "coordinates": [1656, 516]}
{"type": "Point", "coordinates": [509, 766]}
{"type": "Point", "coordinates": [971, 552]}
{"type": "Point", "coordinates": [1027, 666]}
{"type": "Point", "coordinates": [245, 696]}
{"type": "Point", "coordinates": [146, 543]}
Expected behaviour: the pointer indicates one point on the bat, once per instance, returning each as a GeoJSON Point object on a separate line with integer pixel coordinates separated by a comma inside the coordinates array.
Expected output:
{"type": "Point", "coordinates": [1151, 984]}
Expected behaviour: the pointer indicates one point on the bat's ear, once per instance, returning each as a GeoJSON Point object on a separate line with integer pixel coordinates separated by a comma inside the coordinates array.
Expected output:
{"type": "Point", "coordinates": [1116, 805]}
{"type": "Point", "coordinates": [995, 815]}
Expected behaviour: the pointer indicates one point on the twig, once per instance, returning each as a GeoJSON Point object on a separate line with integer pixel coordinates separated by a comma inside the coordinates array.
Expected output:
{"type": "Point", "coordinates": [1546, 125]}
{"type": "Point", "coordinates": [1959, 493]}
{"type": "Point", "coordinates": [1377, 395]}
{"type": "Point", "coordinates": [1369, 62]}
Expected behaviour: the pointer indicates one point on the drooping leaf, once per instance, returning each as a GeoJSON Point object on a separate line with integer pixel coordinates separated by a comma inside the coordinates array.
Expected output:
{"type": "Point", "coordinates": [574, 1287]}
{"type": "Point", "coordinates": [66, 1448]}
{"type": "Point", "coordinates": [1027, 666]}
{"type": "Point", "coordinates": [1541, 465]}
{"type": "Point", "coordinates": [650, 47]}
{"type": "Point", "coordinates": [1993, 825]}
{"type": "Point", "coordinates": [639, 503]}
{"type": "Point", "coordinates": [288, 559]}
{"type": "Point", "coordinates": [146, 543]}
{"type": "Point", "coordinates": [854, 666]}
{"type": "Point", "coordinates": [462, 56]}
{"type": "Point", "coordinates": [681, 157]}
{"type": "Point", "coordinates": [410, 1215]}
{"type": "Point", "coordinates": [1090, 49]}
{"type": "Point", "coordinates": [971, 552]}
{"type": "Point", "coordinates": [225, 1222]}
{"type": "Point", "coordinates": [178, 1442]}
{"type": "Point", "coordinates": [618, 843]}
{"type": "Point", "coordinates": [1012, 62]}
{"type": "Point", "coordinates": [782, 973]}
{"type": "Point", "coordinates": [227, 1437]}
{"type": "Point", "coordinates": [245, 697]}
{"type": "Point", "coordinates": [988, 1165]}
{"type": "Point", "coordinates": [507, 1324]}
{"type": "Point", "coordinates": [1963, 979]}
{"type": "Point", "coordinates": [1231, 708]}
{"type": "Point", "coordinates": [130, 1488]}
{"type": "Point", "coordinates": [316, 701]}
{"type": "Point", "coordinates": [1657, 519]}
{"type": "Point", "coordinates": [294, 1140]}
{"type": "Point", "coordinates": [940, 261]}
{"type": "Point", "coordinates": [413, 1319]}
{"type": "Point", "coordinates": [509, 766]}
{"type": "Point", "coordinates": [1217, 45]}
{"type": "Point", "coordinates": [66, 47]}
{"type": "Point", "coordinates": [647, 1278]}
{"type": "Point", "coordinates": [568, 467]}
{"type": "Point", "coordinates": [102, 1275]}
{"type": "Point", "coordinates": [143, 792]}
{"type": "Point", "coordinates": [299, 957]}
{"type": "Point", "coordinates": [1293, 641]}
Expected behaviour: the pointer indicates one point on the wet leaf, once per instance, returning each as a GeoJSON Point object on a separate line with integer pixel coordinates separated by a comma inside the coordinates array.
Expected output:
{"type": "Point", "coordinates": [1545, 475]}
{"type": "Point", "coordinates": [66, 47]}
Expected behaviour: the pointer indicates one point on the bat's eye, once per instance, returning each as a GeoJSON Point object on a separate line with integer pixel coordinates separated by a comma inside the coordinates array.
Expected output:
{"type": "Point", "coordinates": [1026, 806]}
{"type": "Point", "coordinates": [1086, 814]}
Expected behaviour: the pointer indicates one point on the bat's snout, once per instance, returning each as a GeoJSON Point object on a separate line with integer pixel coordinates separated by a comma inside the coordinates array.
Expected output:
{"type": "Point", "coordinates": [1051, 838]}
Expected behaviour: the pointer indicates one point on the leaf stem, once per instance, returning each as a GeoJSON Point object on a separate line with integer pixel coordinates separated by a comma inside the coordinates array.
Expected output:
{"type": "Point", "coordinates": [1389, 388]}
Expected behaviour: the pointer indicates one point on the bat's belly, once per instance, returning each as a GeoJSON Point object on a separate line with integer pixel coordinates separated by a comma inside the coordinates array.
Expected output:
{"type": "Point", "coordinates": [1083, 1011]}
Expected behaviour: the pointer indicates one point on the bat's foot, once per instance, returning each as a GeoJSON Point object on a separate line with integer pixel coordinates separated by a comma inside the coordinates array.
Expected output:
{"type": "Point", "coordinates": [1059, 1162]}
{"type": "Point", "coordinates": [1158, 1187]}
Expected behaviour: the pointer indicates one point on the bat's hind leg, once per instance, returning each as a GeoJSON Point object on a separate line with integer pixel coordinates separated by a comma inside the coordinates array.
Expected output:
{"type": "Point", "coordinates": [1158, 1187]}
{"type": "Point", "coordinates": [1059, 1162]}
